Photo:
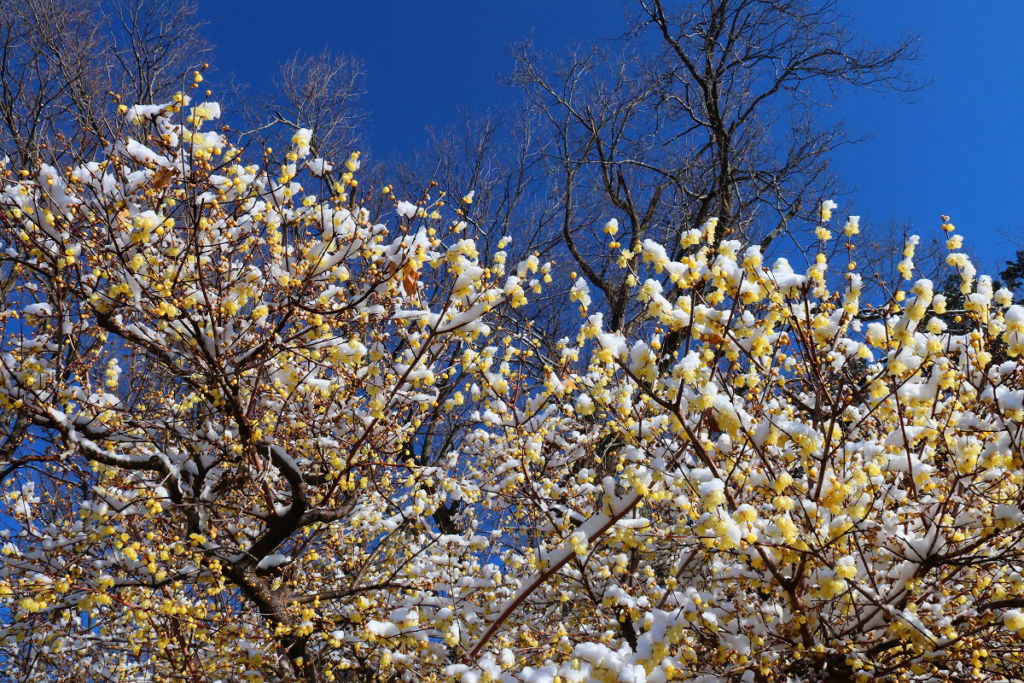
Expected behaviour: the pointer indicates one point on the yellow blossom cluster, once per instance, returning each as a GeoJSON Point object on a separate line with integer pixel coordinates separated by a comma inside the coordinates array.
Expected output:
{"type": "Point", "coordinates": [257, 433]}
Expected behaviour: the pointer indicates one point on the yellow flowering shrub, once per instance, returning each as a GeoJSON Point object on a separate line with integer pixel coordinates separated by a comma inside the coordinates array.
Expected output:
{"type": "Point", "coordinates": [790, 485]}
{"type": "Point", "coordinates": [257, 434]}
{"type": "Point", "coordinates": [226, 377]}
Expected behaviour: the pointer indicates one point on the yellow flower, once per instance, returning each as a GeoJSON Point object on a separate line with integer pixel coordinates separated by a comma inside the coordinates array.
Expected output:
{"type": "Point", "coordinates": [1013, 620]}
{"type": "Point", "coordinates": [825, 211]}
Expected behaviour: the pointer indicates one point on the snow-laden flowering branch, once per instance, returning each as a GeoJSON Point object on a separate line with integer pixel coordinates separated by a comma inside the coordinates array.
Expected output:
{"type": "Point", "coordinates": [228, 365]}
{"type": "Point", "coordinates": [258, 433]}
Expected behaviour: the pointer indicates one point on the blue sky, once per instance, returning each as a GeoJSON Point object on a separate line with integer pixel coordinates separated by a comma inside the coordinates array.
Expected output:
{"type": "Point", "coordinates": [955, 151]}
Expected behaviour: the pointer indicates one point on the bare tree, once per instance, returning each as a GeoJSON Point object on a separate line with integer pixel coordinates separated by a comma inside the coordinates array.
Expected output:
{"type": "Point", "coordinates": [320, 92]}
{"type": "Point", "coordinates": [48, 57]}
{"type": "Point", "coordinates": [156, 43]}
{"type": "Point", "coordinates": [709, 109]}
{"type": "Point", "coordinates": [60, 59]}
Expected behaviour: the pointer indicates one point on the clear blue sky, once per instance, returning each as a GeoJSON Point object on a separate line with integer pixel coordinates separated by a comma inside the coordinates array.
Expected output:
{"type": "Point", "coordinates": [956, 150]}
